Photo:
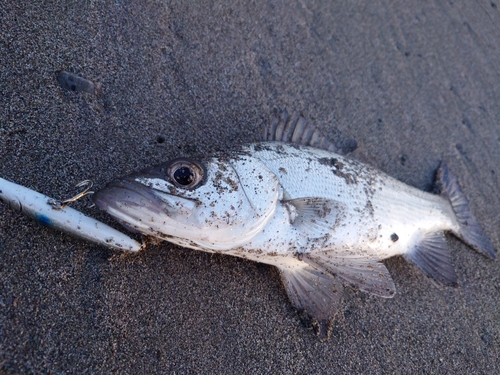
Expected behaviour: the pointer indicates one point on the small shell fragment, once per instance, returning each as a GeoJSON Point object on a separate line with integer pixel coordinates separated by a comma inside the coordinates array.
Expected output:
{"type": "Point", "coordinates": [72, 82]}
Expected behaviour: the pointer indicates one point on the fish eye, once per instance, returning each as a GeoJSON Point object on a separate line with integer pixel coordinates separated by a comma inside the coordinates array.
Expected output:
{"type": "Point", "coordinates": [183, 176]}
{"type": "Point", "coordinates": [185, 173]}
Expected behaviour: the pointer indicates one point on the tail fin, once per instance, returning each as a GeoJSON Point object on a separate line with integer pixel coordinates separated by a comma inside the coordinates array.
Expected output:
{"type": "Point", "coordinates": [470, 231]}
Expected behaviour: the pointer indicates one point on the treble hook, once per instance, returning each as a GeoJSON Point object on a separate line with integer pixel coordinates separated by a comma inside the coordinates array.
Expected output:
{"type": "Point", "coordinates": [58, 205]}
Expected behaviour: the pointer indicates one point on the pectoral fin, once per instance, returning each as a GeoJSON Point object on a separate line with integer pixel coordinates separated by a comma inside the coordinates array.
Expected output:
{"type": "Point", "coordinates": [315, 217]}
{"type": "Point", "coordinates": [355, 268]}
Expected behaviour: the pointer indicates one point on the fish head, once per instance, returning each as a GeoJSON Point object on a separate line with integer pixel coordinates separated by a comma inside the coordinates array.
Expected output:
{"type": "Point", "coordinates": [211, 204]}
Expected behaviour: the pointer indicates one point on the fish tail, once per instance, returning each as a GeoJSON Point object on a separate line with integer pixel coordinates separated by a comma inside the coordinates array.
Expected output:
{"type": "Point", "coordinates": [431, 253]}
{"type": "Point", "coordinates": [469, 230]}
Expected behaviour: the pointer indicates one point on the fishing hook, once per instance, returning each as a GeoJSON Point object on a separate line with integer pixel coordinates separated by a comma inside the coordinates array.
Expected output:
{"type": "Point", "coordinates": [58, 205]}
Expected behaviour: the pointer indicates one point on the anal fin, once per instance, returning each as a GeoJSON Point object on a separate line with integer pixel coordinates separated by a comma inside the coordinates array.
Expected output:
{"type": "Point", "coordinates": [315, 292]}
{"type": "Point", "coordinates": [431, 255]}
{"type": "Point", "coordinates": [355, 268]}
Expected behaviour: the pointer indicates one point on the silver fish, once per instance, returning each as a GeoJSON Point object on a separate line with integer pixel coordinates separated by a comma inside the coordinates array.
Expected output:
{"type": "Point", "coordinates": [323, 219]}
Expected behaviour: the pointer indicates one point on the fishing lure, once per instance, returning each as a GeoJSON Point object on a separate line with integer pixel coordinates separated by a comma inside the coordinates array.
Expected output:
{"type": "Point", "coordinates": [56, 214]}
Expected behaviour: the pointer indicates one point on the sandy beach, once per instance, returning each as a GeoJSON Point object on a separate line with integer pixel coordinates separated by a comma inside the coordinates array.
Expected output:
{"type": "Point", "coordinates": [412, 83]}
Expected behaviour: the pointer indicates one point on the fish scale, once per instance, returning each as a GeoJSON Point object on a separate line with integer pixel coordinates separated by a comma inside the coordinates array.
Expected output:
{"type": "Point", "coordinates": [394, 207]}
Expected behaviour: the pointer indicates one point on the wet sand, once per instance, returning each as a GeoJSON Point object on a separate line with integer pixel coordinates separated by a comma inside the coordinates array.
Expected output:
{"type": "Point", "coordinates": [412, 83]}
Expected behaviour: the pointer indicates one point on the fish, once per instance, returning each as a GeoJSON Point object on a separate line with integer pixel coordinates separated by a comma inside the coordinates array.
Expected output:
{"type": "Point", "coordinates": [54, 214]}
{"type": "Point", "coordinates": [294, 201]}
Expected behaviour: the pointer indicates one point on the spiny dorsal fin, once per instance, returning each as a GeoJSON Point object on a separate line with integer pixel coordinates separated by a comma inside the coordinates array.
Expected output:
{"type": "Point", "coordinates": [296, 129]}
{"type": "Point", "coordinates": [359, 270]}
{"type": "Point", "coordinates": [431, 255]}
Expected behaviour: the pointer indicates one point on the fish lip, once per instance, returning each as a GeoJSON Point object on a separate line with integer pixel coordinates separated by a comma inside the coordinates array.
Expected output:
{"type": "Point", "coordinates": [121, 193]}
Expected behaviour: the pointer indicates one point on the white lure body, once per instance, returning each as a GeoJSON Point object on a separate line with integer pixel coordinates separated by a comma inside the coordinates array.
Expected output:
{"type": "Point", "coordinates": [66, 219]}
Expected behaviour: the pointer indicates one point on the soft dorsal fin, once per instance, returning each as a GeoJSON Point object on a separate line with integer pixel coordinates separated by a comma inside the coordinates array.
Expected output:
{"type": "Point", "coordinates": [296, 129]}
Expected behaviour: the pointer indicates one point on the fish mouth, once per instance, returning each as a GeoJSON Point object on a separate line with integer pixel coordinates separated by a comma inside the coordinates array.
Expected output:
{"type": "Point", "coordinates": [125, 194]}
{"type": "Point", "coordinates": [139, 207]}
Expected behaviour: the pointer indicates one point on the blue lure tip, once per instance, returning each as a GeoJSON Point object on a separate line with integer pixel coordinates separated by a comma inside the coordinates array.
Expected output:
{"type": "Point", "coordinates": [43, 219]}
